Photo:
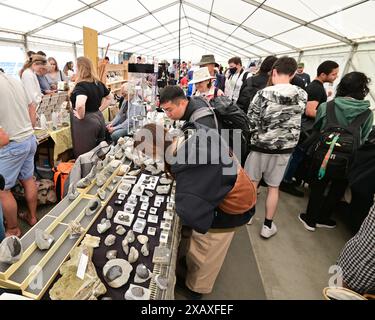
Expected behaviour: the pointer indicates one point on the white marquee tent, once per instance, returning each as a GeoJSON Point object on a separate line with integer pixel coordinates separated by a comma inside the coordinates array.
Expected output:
{"type": "Point", "coordinates": [309, 30]}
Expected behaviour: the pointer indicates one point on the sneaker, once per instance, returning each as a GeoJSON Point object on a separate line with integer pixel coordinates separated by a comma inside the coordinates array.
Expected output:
{"type": "Point", "coordinates": [329, 224]}
{"type": "Point", "coordinates": [251, 221]}
{"type": "Point", "coordinates": [268, 232]}
{"type": "Point", "coordinates": [308, 226]}
{"type": "Point", "coordinates": [291, 189]}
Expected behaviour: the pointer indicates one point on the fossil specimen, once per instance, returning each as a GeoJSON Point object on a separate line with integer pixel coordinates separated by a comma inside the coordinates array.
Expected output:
{"type": "Point", "coordinates": [43, 239]}
{"type": "Point", "coordinates": [117, 272]}
{"type": "Point", "coordinates": [11, 250]}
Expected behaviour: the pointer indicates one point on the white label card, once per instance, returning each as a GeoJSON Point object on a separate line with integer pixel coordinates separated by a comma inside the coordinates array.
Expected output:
{"type": "Point", "coordinates": [82, 266]}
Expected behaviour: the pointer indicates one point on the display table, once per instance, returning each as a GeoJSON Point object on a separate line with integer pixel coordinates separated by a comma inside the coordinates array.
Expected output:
{"type": "Point", "coordinates": [37, 270]}
{"type": "Point", "coordinates": [59, 141]}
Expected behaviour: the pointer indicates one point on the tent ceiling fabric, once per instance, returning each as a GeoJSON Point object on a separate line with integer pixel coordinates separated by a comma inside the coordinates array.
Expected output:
{"type": "Point", "coordinates": [248, 28]}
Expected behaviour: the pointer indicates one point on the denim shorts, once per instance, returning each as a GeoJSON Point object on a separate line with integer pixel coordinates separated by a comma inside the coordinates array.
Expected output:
{"type": "Point", "coordinates": [17, 161]}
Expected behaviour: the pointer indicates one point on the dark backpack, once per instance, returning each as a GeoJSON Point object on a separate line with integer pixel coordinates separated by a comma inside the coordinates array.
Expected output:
{"type": "Point", "coordinates": [228, 116]}
{"type": "Point", "coordinates": [334, 151]}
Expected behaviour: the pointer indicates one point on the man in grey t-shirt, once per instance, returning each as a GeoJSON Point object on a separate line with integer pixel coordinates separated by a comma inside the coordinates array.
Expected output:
{"type": "Point", "coordinates": [17, 156]}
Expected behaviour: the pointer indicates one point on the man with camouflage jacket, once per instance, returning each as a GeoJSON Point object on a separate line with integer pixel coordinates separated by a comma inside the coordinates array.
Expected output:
{"type": "Point", "coordinates": [275, 120]}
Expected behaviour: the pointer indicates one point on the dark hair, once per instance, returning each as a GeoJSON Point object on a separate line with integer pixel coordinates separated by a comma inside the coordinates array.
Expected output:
{"type": "Point", "coordinates": [235, 60]}
{"type": "Point", "coordinates": [41, 53]}
{"type": "Point", "coordinates": [327, 67]}
{"type": "Point", "coordinates": [106, 58]}
{"type": "Point", "coordinates": [30, 53]}
{"type": "Point", "coordinates": [172, 93]}
{"type": "Point", "coordinates": [2, 70]}
{"type": "Point", "coordinates": [285, 65]}
{"type": "Point", "coordinates": [139, 57]}
{"type": "Point", "coordinates": [354, 85]}
{"type": "Point", "coordinates": [267, 64]}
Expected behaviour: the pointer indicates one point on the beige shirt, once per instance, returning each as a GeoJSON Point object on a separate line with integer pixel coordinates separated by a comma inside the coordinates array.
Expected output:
{"type": "Point", "coordinates": [32, 87]}
{"type": "Point", "coordinates": [14, 113]}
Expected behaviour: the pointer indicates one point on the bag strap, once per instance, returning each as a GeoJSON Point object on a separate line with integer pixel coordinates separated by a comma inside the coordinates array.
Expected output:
{"type": "Point", "coordinates": [244, 78]}
{"type": "Point", "coordinates": [204, 112]}
{"type": "Point", "coordinates": [331, 115]}
{"type": "Point", "coordinates": [360, 120]}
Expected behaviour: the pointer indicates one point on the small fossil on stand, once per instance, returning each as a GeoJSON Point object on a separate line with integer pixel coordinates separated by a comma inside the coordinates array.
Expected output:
{"type": "Point", "coordinates": [11, 250]}
{"type": "Point", "coordinates": [73, 192]}
{"type": "Point", "coordinates": [83, 183]}
{"type": "Point", "coordinates": [93, 207]}
{"type": "Point", "coordinates": [43, 239]}
{"type": "Point", "coordinates": [102, 194]}
{"type": "Point", "coordinates": [75, 228]}
{"type": "Point", "coordinates": [117, 272]}
{"type": "Point", "coordinates": [100, 180]}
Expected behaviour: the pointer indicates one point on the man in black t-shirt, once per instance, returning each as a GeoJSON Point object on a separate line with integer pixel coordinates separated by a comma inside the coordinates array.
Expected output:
{"type": "Point", "coordinates": [327, 72]}
{"type": "Point", "coordinates": [302, 75]}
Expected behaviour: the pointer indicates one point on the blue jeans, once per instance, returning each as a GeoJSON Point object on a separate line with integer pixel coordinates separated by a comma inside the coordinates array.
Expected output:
{"type": "Point", "coordinates": [115, 136]}
{"type": "Point", "coordinates": [2, 229]}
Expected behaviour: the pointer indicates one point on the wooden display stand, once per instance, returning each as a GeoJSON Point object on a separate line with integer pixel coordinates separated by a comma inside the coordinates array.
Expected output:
{"type": "Point", "coordinates": [90, 45]}
{"type": "Point", "coordinates": [115, 86]}
{"type": "Point", "coordinates": [37, 269]}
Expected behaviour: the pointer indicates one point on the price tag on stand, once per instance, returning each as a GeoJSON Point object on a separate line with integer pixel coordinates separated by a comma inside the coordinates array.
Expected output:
{"type": "Point", "coordinates": [82, 266]}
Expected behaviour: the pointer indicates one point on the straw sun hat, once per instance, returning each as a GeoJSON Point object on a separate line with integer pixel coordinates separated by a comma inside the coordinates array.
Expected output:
{"type": "Point", "coordinates": [202, 74]}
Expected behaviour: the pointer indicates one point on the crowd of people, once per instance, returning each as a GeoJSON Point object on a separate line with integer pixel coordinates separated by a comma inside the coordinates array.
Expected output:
{"type": "Point", "coordinates": [296, 136]}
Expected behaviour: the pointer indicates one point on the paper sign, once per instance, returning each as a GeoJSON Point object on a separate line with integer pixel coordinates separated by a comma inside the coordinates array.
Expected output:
{"type": "Point", "coordinates": [82, 266]}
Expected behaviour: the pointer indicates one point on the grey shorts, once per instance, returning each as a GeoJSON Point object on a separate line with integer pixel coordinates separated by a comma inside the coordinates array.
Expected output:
{"type": "Point", "coordinates": [271, 167]}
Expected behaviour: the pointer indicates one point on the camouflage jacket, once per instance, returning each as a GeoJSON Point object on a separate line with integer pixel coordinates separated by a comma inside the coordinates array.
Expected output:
{"type": "Point", "coordinates": [275, 118]}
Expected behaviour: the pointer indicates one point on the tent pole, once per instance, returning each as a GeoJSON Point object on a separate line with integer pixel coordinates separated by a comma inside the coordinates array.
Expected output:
{"type": "Point", "coordinates": [300, 56]}
{"type": "Point", "coordinates": [350, 58]}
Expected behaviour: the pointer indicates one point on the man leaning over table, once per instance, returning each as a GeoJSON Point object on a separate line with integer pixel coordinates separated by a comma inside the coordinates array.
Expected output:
{"type": "Point", "coordinates": [17, 155]}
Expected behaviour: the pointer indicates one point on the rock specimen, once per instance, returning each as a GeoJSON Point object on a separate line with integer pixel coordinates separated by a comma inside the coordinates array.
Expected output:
{"type": "Point", "coordinates": [102, 194]}
{"type": "Point", "coordinates": [117, 272]}
{"type": "Point", "coordinates": [93, 172]}
{"type": "Point", "coordinates": [75, 228]}
{"type": "Point", "coordinates": [142, 239]}
{"type": "Point", "coordinates": [124, 169]}
{"type": "Point", "coordinates": [163, 189]}
{"type": "Point", "coordinates": [104, 226]}
{"type": "Point", "coordinates": [145, 250]}
{"type": "Point", "coordinates": [161, 282]}
{"type": "Point", "coordinates": [133, 255]}
{"type": "Point", "coordinates": [112, 254]}
{"type": "Point", "coordinates": [166, 181]}
{"type": "Point", "coordinates": [130, 237]}
{"type": "Point", "coordinates": [137, 293]}
{"type": "Point", "coordinates": [93, 207]}
{"type": "Point", "coordinates": [142, 274]}
{"type": "Point", "coordinates": [73, 192]}
{"type": "Point", "coordinates": [110, 240]}
{"type": "Point", "coordinates": [101, 179]}
{"type": "Point", "coordinates": [120, 230]}
{"type": "Point", "coordinates": [109, 212]}
{"type": "Point", "coordinates": [125, 246]}
{"type": "Point", "coordinates": [11, 250]}
{"type": "Point", "coordinates": [90, 241]}
{"type": "Point", "coordinates": [70, 287]}
{"type": "Point", "coordinates": [84, 183]}
{"type": "Point", "coordinates": [43, 239]}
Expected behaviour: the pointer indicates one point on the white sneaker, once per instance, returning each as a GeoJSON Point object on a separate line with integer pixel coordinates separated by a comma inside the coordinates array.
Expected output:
{"type": "Point", "coordinates": [250, 221]}
{"type": "Point", "coordinates": [267, 232]}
